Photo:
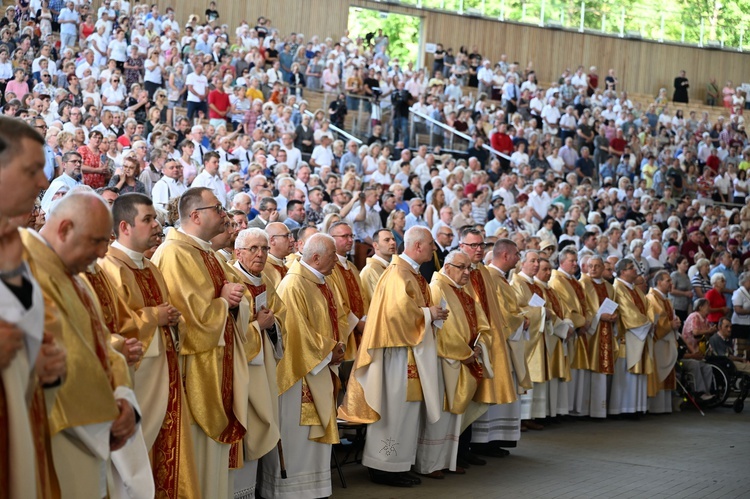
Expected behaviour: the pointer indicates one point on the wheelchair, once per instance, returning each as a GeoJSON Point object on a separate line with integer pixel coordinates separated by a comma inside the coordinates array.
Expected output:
{"type": "Point", "coordinates": [732, 385]}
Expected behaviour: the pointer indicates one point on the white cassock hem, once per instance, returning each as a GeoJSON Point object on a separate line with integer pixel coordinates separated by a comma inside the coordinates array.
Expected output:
{"type": "Point", "coordinates": [628, 390]}
{"type": "Point", "coordinates": [579, 392]}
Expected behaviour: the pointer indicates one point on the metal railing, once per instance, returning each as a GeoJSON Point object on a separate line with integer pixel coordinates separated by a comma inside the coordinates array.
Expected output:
{"type": "Point", "coordinates": [452, 131]}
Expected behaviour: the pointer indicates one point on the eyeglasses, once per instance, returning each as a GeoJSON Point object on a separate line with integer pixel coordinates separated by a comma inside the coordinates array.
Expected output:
{"type": "Point", "coordinates": [345, 236]}
{"type": "Point", "coordinates": [475, 245]}
{"type": "Point", "coordinates": [43, 127]}
{"type": "Point", "coordinates": [288, 236]}
{"type": "Point", "coordinates": [462, 268]}
{"type": "Point", "coordinates": [449, 234]}
{"type": "Point", "coordinates": [115, 81]}
{"type": "Point", "coordinates": [45, 76]}
{"type": "Point", "coordinates": [75, 161]}
{"type": "Point", "coordinates": [254, 249]}
{"type": "Point", "coordinates": [218, 207]}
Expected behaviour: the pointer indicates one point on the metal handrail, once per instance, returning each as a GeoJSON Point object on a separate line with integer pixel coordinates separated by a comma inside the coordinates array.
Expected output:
{"type": "Point", "coordinates": [456, 132]}
{"type": "Point", "coordinates": [334, 128]}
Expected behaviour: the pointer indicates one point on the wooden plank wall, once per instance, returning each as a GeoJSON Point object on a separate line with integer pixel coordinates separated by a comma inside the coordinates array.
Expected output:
{"type": "Point", "coordinates": [642, 67]}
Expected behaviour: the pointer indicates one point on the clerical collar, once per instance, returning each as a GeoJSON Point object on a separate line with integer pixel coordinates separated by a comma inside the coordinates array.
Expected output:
{"type": "Point", "coordinates": [526, 277]}
{"type": "Point", "coordinates": [439, 246]}
{"type": "Point", "coordinates": [660, 293]}
{"type": "Point", "coordinates": [410, 261]}
{"type": "Point", "coordinates": [227, 254]}
{"type": "Point", "coordinates": [381, 259]}
{"type": "Point", "coordinates": [204, 245]}
{"type": "Point", "coordinates": [277, 261]}
{"type": "Point", "coordinates": [136, 257]}
{"type": "Point", "coordinates": [598, 281]}
{"type": "Point", "coordinates": [321, 278]}
{"type": "Point", "coordinates": [343, 261]}
{"type": "Point", "coordinates": [502, 272]}
{"type": "Point", "coordinates": [254, 280]}
{"type": "Point", "coordinates": [630, 286]}
{"type": "Point", "coordinates": [450, 281]}
{"type": "Point", "coordinates": [565, 273]}
{"type": "Point", "coordinates": [543, 284]}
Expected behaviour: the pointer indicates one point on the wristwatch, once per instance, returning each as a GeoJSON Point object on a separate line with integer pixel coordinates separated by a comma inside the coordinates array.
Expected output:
{"type": "Point", "coordinates": [12, 274]}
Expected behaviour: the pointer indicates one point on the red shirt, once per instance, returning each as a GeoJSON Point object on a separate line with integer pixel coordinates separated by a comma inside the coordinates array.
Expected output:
{"type": "Point", "coordinates": [92, 160]}
{"type": "Point", "coordinates": [618, 144]}
{"type": "Point", "coordinates": [220, 100]}
{"type": "Point", "coordinates": [502, 142]}
{"type": "Point", "coordinates": [713, 162]}
{"type": "Point", "coordinates": [715, 300]}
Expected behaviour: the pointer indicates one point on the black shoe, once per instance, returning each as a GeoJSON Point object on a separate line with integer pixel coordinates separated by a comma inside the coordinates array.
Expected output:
{"type": "Point", "coordinates": [492, 452]}
{"type": "Point", "coordinates": [415, 480]}
{"type": "Point", "coordinates": [475, 460]}
{"type": "Point", "coordinates": [390, 479]}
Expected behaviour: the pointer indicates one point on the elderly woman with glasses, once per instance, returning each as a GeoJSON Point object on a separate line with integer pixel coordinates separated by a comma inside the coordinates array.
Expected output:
{"type": "Point", "coordinates": [126, 177]}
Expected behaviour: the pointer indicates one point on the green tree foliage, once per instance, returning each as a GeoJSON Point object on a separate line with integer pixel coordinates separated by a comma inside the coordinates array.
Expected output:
{"type": "Point", "coordinates": [402, 31]}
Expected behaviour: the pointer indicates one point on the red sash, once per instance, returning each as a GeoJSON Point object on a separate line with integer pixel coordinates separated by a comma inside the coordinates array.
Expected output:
{"type": "Point", "coordinates": [101, 337]}
{"type": "Point", "coordinates": [354, 293]}
{"type": "Point", "coordinates": [255, 290]}
{"type": "Point", "coordinates": [166, 450]}
{"type": "Point", "coordinates": [606, 364]}
{"type": "Point", "coordinates": [234, 430]}
{"type": "Point", "coordinates": [425, 289]}
{"type": "Point", "coordinates": [45, 471]}
{"type": "Point", "coordinates": [106, 300]}
{"type": "Point", "coordinates": [554, 303]}
{"type": "Point", "coordinates": [579, 294]}
{"type": "Point", "coordinates": [477, 282]}
{"type": "Point", "coordinates": [535, 289]}
{"type": "Point", "coordinates": [468, 304]}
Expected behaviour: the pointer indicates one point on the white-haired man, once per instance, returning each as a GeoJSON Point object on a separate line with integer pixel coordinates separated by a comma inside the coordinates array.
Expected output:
{"type": "Point", "coordinates": [308, 376]}
{"type": "Point", "coordinates": [263, 350]}
{"type": "Point", "coordinates": [398, 339]}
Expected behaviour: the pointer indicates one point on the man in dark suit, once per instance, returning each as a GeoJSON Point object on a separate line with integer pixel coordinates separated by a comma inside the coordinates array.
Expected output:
{"type": "Point", "coordinates": [266, 213]}
{"type": "Point", "coordinates": [443, 246]}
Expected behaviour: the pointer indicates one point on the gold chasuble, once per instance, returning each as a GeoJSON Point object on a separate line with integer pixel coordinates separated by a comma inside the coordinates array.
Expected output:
{"type": "Point", "coordinates": [602, 342]}
{"type": "Point", "coordinates": [274, 271]}
{"type": "Point", "coordinates": [573, 299]}
{"type": "Point", "coordinates": [94, 368]}
{"type": "Point", "coordinates": [508, 345]}
{"type": "Point", "coordinates": [537, 355]}
{"type": "Point", "coordinates": [344, 280]}
{"type": "Point", "coordinates": [157, 379]}
{"type": "Point", "coordinates": [633, 313]}
{"type": "Point", "coordinates": [311, 331]}
{"type": "Point", "coordinates": [214, 365]}
{"type": "Point", "coordinates": [263, 397]}
{"type": "Point", "coordinates": [665, 344]}
{"type": "Point", "coordinates": [370, 275]}
{"type": "Point", "coordinates": [465, 324]}
{"type": "Point", "coordinates": [390, 327]}
{"type": "Point", "coordinates": [559, 365]}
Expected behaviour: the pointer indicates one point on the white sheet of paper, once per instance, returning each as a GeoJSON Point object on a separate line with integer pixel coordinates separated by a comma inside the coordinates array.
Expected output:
{"type": "Point", "coordinates": [536, 301]}
{"type": "Point", "coordinates": [443, 305]}
{"type": "Point", "coordinates": [608, 307]}
{"type": "Point", "coordinates": [261, 301]}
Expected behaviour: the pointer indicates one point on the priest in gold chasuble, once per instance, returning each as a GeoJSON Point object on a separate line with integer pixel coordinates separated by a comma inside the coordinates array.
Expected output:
{"type": "Point", "coordinates": [500, 426]}
{"type": "Point", "coordinates": [662, 379]}
{"type": "Point", "coordinates": [95, 410]}
{"type": "Point", "coordinates": [602, 341]}
{"type": "Point", "coordinates": [394, 377]}
{"type": "Point", "coordinates": [634, 336]}
{"type": "Point", "coordinates": [267, 316]}
{"type": "Point", "coordinates": [280, 242]}
{"type": "Point", "coordinates": [572, 296]}
{"type": "Point", "coordinates": [157, 324]}
{"type": "Point", "coordinates": [463, 348]}
{"type": "Point", "coordinates": [307, 377]}
{"type": "Point", "coordinates": [212, 354]}
{"type": "Point", "coordinates": [385, 247]}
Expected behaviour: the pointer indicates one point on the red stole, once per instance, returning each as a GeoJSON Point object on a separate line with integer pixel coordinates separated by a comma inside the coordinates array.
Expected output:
{"type": "Point", "coordinates": [166, 450]}
{"type": "Point", "coordinates": [255, 290]}
{"type": "Point", "coordinates": [605, 334]}
{"type": "Point", "coordinates": [354, 293]}
{"type": "Point", "coordinates": [101, 337]}
{"type": "Point", "coordinates": [106, 300]}
{"type": "Point", "coordinates": [579, 294]}
{"type": "Point", "coordinates": [637, 300]}
{"type": "Point", "coordinates": [477, 282]}
{"type": "Point", "coordinates": [4, 444]}
{"type": "Point", "coordinates": [332, 312]}
{"type": "Point", "coordinates": [535, 289]}
{"type": "Point", "coordinates": [282, 269]}
{"type": "Point", "coordinates": [554, 303]}
{"type": "Point", "coordinates": [234, 430]}
{"type": "Point", "coordinates": [468, 304]}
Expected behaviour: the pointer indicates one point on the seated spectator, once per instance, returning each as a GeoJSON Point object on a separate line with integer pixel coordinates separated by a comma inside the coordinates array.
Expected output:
{"type": "Point", "coordinates": [720, 345]}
